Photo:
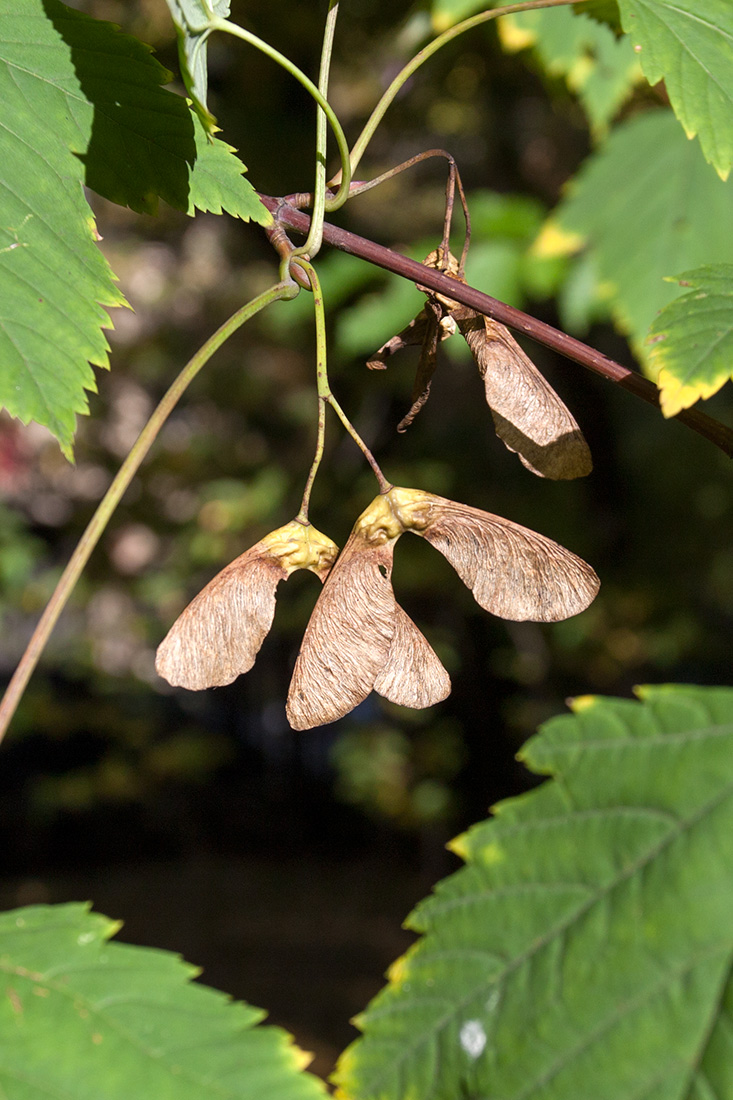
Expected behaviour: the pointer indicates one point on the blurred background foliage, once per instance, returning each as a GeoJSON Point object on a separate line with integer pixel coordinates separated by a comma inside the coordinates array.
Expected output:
{"type": "Point", "coordinates": [108, 767]}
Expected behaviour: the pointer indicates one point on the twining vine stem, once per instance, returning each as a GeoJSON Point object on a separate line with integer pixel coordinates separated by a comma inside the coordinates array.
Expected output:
{"type": "Point", "coordinates": [219, 24]}
{"type": "Point", "coordinates": [298, 221]}
{"type": "Point", "coordinates": [419, 59]}
{"type": "Point", "coordinates": [312, 245]}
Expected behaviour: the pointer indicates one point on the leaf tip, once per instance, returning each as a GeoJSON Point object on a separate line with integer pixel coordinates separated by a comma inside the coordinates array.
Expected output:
{"type": "Point", "coordinates": [301, 1058]}
{"type": "Point", "coordinates": [581, 703]}
{"type": "Point", "coordinates": [459, 847]}
{"type": "Point", "coordinates": [553, 241]}
{"type": "Point", "coordinates": [675, 395]}
{"type": "Point", "coordinates": [397, 972]}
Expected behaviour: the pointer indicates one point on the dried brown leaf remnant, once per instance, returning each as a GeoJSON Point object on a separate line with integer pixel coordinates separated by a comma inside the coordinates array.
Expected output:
{"type": "Point", "coordinates": [359, 639]}
{"type": "Point", "coordinates": [529, 417]}
{"type": "Point", "coordinates": [219, 634]}
{"type": "Point", "coordinates": [411, 334]}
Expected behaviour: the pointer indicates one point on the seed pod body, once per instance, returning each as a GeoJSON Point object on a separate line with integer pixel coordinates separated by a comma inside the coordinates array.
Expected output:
{"type": "Point", "coordinates": [359, 639]}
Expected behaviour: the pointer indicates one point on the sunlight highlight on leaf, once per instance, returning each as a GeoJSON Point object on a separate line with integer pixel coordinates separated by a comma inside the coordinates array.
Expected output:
{"type": "Point", "coordinates": [692, 339]}
{"type": "Point", "coordinates": [655, 189]}
{"type": "Point", "coordinates": [138, 1023]}
{"type": "Point", "coordinates": [689, 45]}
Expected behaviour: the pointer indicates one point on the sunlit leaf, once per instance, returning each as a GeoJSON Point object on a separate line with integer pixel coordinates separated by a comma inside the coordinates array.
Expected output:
{"type": "Point", "coordinates": [218, 184]}
{"type": "Point", "coordinates": [692, 339]}
{"type": "Point", "coordinates": [585, 949]}
{"type": "Point", "coordinates": [82, 1017]}
{"type": "Point", "coordinates": [83, 103]}
{"type": "Point", "coordinates": [689, 45]}
{"type": "Point", "coordinates": [646, 184]}
{"type": "Point", "coordinates": [598, 67]}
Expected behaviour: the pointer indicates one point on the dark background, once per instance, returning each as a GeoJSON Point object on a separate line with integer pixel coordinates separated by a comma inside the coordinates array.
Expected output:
{"type": "Point", "coordinates": [283, 863]}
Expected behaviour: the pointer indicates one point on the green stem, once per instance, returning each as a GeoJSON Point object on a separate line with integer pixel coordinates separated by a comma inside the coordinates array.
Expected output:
{"type": "Point", "coordinates": [100, 519]}
{"type": "Point", "coordinates": [453, 32]}
{"type": "Point", "coordinates": [322, 385]}
{"type": "Point", "coordinates": [219, 24]}
{"type": "Point", "coordinates": [384, 485]}
{"type": "Point", "coordinates": [325, 396]}
{"type": "Point", "coordinates": [302, 515]}
{"type": "Point", "coordinates": [312, 245]}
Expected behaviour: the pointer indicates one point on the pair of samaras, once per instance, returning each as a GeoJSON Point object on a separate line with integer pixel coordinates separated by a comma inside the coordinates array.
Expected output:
{"type": "Point", "coordinates": [359, 639]}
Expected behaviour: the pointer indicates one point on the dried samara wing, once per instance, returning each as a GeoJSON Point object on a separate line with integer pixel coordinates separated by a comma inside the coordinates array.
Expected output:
{"type": "Point", "coordinates": [217, 637]}
{"type": "Point", "coordinates": [513, 572]}
{"type": "Point", "coordinates": [529, 417]}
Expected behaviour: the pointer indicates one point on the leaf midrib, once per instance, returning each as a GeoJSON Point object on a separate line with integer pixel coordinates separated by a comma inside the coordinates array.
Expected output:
{"type": "Point", "coordinates": [682, 826]}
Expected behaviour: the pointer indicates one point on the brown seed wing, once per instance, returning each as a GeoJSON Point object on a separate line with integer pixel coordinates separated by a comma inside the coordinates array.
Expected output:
{"type": "Point", "coordinates": [348, 638]}
{"type": "Point", "coordinates": [513, 572]}
{"type": "Point", "coordinates": [413, 675]}
{"type": "Point", "coordinates": [529, 417]}
{"type": "Point", "coordinates": [219, 634]}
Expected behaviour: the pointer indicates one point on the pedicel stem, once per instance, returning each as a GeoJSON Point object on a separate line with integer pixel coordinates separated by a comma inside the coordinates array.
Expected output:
{"type": "Point", "coordinates": [325, 397]}
{"type": "Point", "coordinates": [282, 290]}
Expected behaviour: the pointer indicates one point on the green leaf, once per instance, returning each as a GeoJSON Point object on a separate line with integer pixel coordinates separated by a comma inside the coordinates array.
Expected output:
{"type": "Point", "coordinates": [605, 11]}
{"type": "Point", "coordinates": [689, 45]}
{"type": "Point", "coordinates": [218, 184]}
{"type": "Point", "coordinates": [99, 93]}
{"type": "Point", "coordinates": [585, 949]}
{"type": "Point", "coordinates": [598, 67]}
{"type": "Point", "coordinates": [80, 1017]}
{"type": "Point", "coordinates": [191, 18]}
{"type": "Point", "coordinates": [54, 281]}
{"type": "Point", "coordinates": [692, 339]}
{"type": "Point", "coordinates": [646, 205]}
{"type": "Point", "coordinates": [83, 103]}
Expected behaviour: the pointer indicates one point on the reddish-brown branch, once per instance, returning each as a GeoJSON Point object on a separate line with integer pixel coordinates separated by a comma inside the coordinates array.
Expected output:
{"type": "Point", "coordinates": [298, 221]}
